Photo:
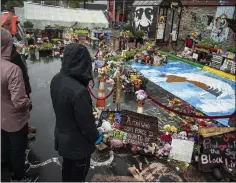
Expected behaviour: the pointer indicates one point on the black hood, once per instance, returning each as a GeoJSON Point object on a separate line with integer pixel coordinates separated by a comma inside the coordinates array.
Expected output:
{"type": "Point", "coordinates": [77, 63]}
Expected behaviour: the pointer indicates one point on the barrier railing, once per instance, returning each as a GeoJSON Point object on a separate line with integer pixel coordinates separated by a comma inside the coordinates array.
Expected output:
{"type": "Point", "coordinates": [100, 98]}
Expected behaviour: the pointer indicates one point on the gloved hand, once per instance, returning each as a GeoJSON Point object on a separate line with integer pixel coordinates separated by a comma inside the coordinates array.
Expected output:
{"type": "Point", "coordinates": [99, 140]}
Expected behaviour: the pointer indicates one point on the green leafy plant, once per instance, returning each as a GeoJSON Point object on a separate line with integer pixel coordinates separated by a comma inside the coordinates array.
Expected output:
{"type": "Point", "coordinates": [130, 54]}
{"type": "Point", "coordinates": [82, 31]}
{"type": "Point", "coordinates": [139, 34]}
{"type": "Point", "coordinates": [211, 43]}
{"type": "Point", "coordinates": [231, 48]}
{"type": "Point", "coordinates": [13, 3]}
{"type": "Point", "coordinates": [59, 27]}
{"type": "Point", "coordinates": [130, 35]}
{"type": "Point", "coordinates": [97, 28]}
{"type": "Point", "coordinates": [48, 26]}
{"type": "Point", "coordinates": [46, 46]}
{"type": "Point", "coordinates": [28, 24]}
{"type": "Point", "coordinates": [127, 27]}
{"type": "Point", "coordinates": [55, 40]}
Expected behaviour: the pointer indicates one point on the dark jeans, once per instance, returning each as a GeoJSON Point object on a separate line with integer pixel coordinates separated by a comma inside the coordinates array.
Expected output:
{"type": "Point", "coordinates": [13, 146]}
{"type": "Point", "coordinates": [75, 170]}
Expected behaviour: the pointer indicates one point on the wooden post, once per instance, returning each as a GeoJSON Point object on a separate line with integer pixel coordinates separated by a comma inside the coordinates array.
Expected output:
{"type": "Point", "coordinates": [117, 92]}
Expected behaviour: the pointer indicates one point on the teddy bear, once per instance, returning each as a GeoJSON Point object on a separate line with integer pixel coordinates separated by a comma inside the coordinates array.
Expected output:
{"type": "Point", "coordinates": [116, 143]}
{"type": "Point", "coordinates": [106, 129]}
{"type": "Point", "coordinates": [151, 149]}
{"type": "Point", "coordinates": [97, 112]}
{"type": "Point", "coordinates": [164, 151]}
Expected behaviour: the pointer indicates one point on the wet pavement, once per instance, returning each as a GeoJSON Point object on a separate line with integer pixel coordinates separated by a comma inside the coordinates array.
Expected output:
{"type": "Point", "coordinates": [44, 158]}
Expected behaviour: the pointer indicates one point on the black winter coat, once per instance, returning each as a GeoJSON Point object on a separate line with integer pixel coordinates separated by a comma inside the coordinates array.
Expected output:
{"type": "Point", "coordinates": [16, 59]}
{"type": "Point", "coordinates": [75, 131]}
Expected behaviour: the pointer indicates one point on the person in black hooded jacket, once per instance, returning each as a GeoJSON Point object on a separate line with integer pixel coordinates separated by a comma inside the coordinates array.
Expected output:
{"type": "Point", "coordinates": [16, 59]}
{"type": "Point", "coordinates": [75, 130]}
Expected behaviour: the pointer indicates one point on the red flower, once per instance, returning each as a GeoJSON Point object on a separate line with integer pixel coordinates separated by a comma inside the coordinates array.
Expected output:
{"type": "Point", "coordinates": [201, 123]}
{"type": "Point", "coordinates": [166, 137]}
{"type": "Point", "coordinates": [187, 129]}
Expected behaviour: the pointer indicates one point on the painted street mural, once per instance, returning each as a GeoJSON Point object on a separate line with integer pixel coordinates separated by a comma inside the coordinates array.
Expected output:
{"type": "Point", "coordinates": [220, 29]}
{"type": "Point", "coordinates": [144, 18]}
{"type": "Point", "coordinates": [208, 92]}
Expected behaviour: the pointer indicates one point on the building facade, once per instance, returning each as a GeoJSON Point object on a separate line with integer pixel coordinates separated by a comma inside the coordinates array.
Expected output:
{"type": "Point", "coordinates": [208, 18]}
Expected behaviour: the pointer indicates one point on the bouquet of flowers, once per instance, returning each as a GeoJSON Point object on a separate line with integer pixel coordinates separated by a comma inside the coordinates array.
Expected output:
{"type": "Point", "coordinates": [141, 96]}
{"type": "Point", "coordinates": [32, 47]}
{"type": "Point", "coordinates": [166, 137]}
{"type": "Point", "coordinates": [170, 129]}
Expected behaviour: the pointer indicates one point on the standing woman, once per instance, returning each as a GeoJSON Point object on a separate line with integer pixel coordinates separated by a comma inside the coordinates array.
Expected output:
{"type": "Point", "coordinates": [15, 112]}
{"type": "Point", "coordinates": [75, 131]}
{"type": "Point", "coordinates": [6, 22]}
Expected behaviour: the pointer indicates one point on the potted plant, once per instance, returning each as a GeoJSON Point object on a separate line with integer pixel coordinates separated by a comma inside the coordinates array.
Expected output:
{"type": "Point", "coordinates": [55, 40]}
{"type": "Point", "coordinates": [45, 49]}
{"type": "Point", "coordinates": [128, 35]}
{"type": "Point", "coordinates": [28, 24]}
{"type": "Point", "coordinates": [32, 49]}
{"type": "Point", "coordinates": [127, 27]}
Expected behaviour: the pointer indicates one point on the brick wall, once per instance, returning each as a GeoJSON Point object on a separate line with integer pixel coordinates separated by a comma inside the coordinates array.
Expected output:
{"type": "Point", "coordinates": [188, 24]}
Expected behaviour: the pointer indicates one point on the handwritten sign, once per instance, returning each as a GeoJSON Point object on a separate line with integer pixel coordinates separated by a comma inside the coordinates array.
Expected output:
{"type": "Point", "coordinates": [181, 150]}
{"type": "Point", "coordinates": [141, 129]}
{"type": "Point", "coordinates": [218, 149]}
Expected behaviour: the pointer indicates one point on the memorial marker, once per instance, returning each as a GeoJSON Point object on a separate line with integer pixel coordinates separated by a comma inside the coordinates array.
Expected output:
{"type": "Point", "coordinates": [141, 129]}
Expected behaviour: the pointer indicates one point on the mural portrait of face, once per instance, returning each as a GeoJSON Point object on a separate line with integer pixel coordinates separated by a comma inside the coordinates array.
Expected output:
{"type": "Point", "coordinates": [143, 17]}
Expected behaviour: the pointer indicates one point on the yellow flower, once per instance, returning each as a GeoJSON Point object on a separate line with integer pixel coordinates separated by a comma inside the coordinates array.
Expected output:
{"type": "Point", "coordinates": [105, 69]}
{"type": "Point", "coordinates": [167, 128]}
{"type": "Point", "coordinates": [173, 129]}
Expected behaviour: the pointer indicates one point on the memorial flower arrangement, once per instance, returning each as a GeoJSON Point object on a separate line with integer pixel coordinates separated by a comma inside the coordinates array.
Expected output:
{"type": "Point", "coordinates": [29, 36]}
{"type": "Point", "coordinates": [46, 46]}
{"type": "Point", "coordinates": [167, 134]}
{"type": "Point", "coordinates": [32, 47]}
{"type": "Point", "coordinates": [174, 102]}
{"type": "Point", "coordinates": [161, 19]}
{"type": "Point", "coordinates": [194, 34]}
{"type": "Point", "coordinates": [151, 49]}
{"type": "Point", "coordinates": [127, 34]}
{"type": "Point", "coordinates": [141, 96]}
{"type": "Point", "coordinates": [166, 137]}
{"type": "Point", "coordinates": [170, 129]}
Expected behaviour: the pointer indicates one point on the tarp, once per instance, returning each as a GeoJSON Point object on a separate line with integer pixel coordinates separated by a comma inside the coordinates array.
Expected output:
{"type": "Point", "coordinates": [42, 15]}
{"type": "Point", "coordinates": [19, 11]}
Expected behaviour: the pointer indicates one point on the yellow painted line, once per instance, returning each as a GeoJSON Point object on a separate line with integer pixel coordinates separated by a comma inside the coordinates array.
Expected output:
{"type": "Point", "coordinates": [220, 73]}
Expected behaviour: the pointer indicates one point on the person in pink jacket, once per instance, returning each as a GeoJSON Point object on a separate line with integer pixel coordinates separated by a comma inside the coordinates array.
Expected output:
{"type": "Point", "coordinates": [15, 112]}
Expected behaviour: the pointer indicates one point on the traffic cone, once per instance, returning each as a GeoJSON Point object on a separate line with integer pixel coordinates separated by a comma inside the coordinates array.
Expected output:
{"type": "Point", "coordinates": [140, 108]}
{"type": "Point", "coordinates": [101, 93]}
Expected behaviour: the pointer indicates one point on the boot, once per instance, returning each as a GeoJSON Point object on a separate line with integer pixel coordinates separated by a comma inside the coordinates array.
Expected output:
{"type": "Point", "coordinates": [31, 136]}
{"type": "Point", "coordinates": [31, 129]}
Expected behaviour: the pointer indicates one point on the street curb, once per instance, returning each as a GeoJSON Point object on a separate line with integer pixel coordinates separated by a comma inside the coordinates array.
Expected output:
{"type": "Point", "coordinates": [182, 59]}
{"type": "Point", "coordinates": [220, 73]}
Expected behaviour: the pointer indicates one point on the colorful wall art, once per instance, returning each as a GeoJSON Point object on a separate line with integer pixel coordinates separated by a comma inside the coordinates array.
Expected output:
{"type": "Point", "coordinates": [220, 29]}
{"type": "Point", "coordinates": [145, 19]}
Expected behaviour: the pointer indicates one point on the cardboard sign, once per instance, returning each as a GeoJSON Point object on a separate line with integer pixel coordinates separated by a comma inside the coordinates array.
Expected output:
{"type": "Point", "coordinates": [141, 129]}
{"type": "Point", "coordinates": [182, 150]}
{"type": "Point", "coordinates": [195, 56]}
{"type": "Point", "coordinates": [218, 149]}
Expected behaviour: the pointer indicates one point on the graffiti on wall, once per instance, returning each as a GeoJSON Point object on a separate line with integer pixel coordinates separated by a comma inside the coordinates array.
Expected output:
{"type": "Point", "coordinates": [201, 22]}
{"type": "Point", "coordinates": [220, 29]}
{"type": "Point", "coordinates": [144, 18]}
